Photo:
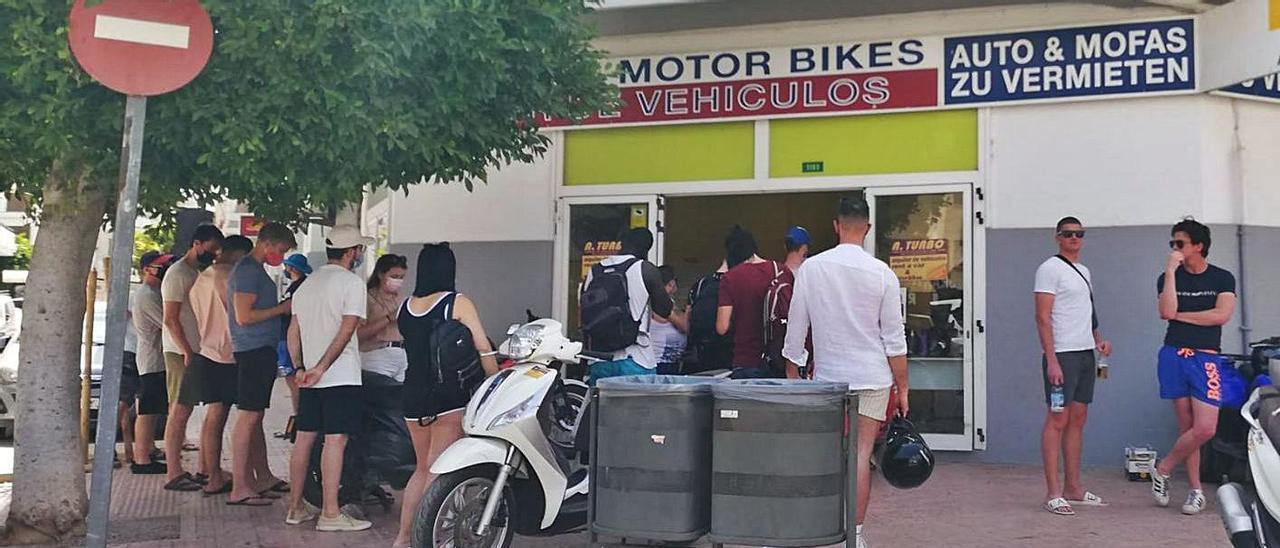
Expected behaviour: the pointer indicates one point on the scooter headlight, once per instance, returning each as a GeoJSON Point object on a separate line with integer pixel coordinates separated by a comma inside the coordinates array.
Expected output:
{"type": "Point", "coordinates": [524, 410]}
{"type": "Point", "coordinates": [525, 341]}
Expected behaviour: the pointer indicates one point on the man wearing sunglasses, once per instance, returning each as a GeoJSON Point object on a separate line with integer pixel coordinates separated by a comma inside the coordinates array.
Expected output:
{"type": "Point", "coordinates": [1068, 328]}
{"type": "Point", "coordinates": [1197, 299]}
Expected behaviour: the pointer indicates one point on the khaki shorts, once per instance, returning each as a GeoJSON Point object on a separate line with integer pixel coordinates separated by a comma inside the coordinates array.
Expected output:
{"type": "Point", "coordinates": [175, 366]}
{"type": "Point", "coordinates": [873, 403]}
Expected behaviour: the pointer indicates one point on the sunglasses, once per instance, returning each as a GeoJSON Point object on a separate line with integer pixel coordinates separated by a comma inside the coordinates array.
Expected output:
{"type": "Point", "coordinates": [1177, 244]}
{"type": "Point", "coordinates": [1072, 234]}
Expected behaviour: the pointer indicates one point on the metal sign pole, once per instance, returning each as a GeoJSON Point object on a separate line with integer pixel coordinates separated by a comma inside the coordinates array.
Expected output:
{"type": "Point", "coordinates": [135, 115]}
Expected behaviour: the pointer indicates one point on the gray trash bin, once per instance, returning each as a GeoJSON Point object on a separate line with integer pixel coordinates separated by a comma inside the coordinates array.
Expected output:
{"type": "Point", "coordinates": [778, 465]}
{"type": "Point", "coordinates": [653, 458]}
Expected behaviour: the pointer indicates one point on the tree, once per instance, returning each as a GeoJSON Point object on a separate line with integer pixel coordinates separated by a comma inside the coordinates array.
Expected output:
{"type": "Point", "coordinates": [302, 105]}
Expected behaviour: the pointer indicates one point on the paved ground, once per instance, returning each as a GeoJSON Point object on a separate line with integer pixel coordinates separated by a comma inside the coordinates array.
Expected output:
{"type": "Point", "coordinates": [963, 505]}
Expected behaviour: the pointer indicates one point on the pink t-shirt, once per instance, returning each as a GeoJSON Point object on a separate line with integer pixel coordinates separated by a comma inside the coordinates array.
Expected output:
{"type": "Point", "coordinates": [209, 302]}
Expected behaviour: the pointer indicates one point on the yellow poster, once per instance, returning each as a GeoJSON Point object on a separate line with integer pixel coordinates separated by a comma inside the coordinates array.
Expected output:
{"type": "Point", "coordinates": [921, 260]}
{"type": "Point", "coordinates": [1275, 14]}
{"type": "Point", "coordinates": [594, 252]}
{"type": "Point", "coordinates": [639, 216]}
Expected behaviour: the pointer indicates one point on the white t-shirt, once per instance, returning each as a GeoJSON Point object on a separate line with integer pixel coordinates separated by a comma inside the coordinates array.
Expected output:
{"type": "Point", "coordinates": [331, 293]}
{"type": "Point", "coordinates": [174, 289]}
{"type": "Point", "coordinates": [1072, 308]}
{"type": "Point", "coordinates": [642, 351]}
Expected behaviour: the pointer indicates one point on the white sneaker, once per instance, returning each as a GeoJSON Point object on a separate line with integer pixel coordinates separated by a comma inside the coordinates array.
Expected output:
{"type": "Point", "coordinates": [342, 523]}
{"type": "Point", "coordinates": [1160, 488]}
{"type": "Point", "coordinates": [861, 542]}
{"type": "Point", "coordinates": [308, 513]}
{"type": "Point", "coordinates": [1195, 502]}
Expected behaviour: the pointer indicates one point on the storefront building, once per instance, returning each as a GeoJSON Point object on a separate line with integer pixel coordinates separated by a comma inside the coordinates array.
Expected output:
{"type": "Point", "coordinates": [969, 131]}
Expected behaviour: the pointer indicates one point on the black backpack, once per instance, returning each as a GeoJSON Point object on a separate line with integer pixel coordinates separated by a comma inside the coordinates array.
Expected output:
{"type": "Point", "coordinates": [606, 309]}
{"type": "Point", "coordinates": [454, 357]}
{"type": "Point", "coordinates": [714, 350]}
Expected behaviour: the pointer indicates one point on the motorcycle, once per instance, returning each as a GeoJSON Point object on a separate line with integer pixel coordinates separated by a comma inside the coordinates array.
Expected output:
{"type": "Point", "coordinates": [522, 467]}
{"type": "Point", "coordinates": [1250, 515]}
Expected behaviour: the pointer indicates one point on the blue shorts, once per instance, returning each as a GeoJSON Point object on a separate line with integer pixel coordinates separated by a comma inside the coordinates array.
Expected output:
{"type": "Point", "coordinates": [283, 361]}
{"type": "Point", "coordinates": [1187, 373]}
{"type": "Point", "coordinates": [618, 368]}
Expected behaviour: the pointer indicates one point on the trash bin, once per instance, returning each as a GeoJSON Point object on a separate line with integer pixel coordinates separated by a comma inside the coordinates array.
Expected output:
{"type": "Point", "coordinates": [652, 458]}
{"type": "Point", "coordinates": [778, 464]}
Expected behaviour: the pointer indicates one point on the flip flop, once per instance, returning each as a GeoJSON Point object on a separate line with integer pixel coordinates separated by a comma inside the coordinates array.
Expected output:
{"type": "Point", "coordinates": [280, 486]}
{"type": "Point", "coordinates": [1060, 507]}
{"type": "Point", "coordinates": [252, 501]}
{"type": "Point", "coordinates": [202, 479]}
{"type": "Point", "coordinates": [183, 484]}
{"type": "Point", "coordinates": [268, 494]}
{"type": "Point", "coordinates": [188, 447]}
{"type": "Point", "coordinates": [1089, 499]}
{"type": "Point", "coordinates": [226, 488]}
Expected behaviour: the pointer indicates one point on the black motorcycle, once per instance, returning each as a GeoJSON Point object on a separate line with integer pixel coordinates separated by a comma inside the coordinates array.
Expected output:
{"type": "Point", "coordinates": [382, 453]}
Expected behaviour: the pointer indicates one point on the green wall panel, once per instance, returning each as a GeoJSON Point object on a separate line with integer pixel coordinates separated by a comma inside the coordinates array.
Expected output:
{"type": "Point", "coordinates": [659, 154]}
{"type": "Point", "coordinates": [910, 142]}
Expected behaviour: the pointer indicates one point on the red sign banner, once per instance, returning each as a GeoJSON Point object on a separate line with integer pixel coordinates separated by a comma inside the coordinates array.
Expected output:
{"type": "Point", "coordinates": [899, 89]}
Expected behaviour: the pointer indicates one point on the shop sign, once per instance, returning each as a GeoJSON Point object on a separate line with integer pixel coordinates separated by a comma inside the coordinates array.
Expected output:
{"type": "Point", "coordinates": [1240, 40]}
{"type": "Point", "coordinates": [594, 252]}
{"type": "Point", "coordinates": [911, 73]}
{"type": "Point", "coordinates": [1266, 88]}
{"type": "Point", "coordinates": [250, 226]}
{"type": "Point", "coordinates": [920, 260]}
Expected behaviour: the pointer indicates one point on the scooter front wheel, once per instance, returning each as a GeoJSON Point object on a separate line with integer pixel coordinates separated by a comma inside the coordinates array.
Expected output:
{"type": "Point", "coordinates": [452, 507]}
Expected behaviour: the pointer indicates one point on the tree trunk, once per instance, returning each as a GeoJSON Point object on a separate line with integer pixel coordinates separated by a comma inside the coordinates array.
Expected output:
{"type": "Point", "coordinates": [49, 499]}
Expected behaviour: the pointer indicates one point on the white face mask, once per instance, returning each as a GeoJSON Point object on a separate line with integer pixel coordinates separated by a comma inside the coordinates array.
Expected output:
{"type": "Point", "coordinates": [393, 284]}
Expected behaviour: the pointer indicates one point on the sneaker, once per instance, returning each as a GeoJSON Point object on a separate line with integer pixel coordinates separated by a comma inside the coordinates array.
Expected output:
{"type": "Point", "coordinates": [1160, 488]}
{"type": "Point", "coordinates": [342, 523]}
{"type": "Point", "coordinates": [150, 468]}
{"type": "Point", "coordinates": [1195, 502]}
{"type": "Point", "coordinates": [861, 542]}
{"type": "Point", "coordinates": [297, 517]}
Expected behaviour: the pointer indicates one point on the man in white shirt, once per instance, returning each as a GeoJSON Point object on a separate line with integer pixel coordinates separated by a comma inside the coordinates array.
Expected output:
{"type": "Point", "coordinates": [327, 311]}
{"type": "Point", "coordinates": [852, 303]}
{"type": "Point", "coordinates": [1068, 329]}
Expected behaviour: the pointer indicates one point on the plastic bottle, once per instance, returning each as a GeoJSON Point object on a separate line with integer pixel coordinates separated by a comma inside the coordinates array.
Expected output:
{"type": "Point", "coordinates": [1057, 399]}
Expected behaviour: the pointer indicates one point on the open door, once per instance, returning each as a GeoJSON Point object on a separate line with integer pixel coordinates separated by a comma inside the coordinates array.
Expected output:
{"type": "Point", "coordinates": [587, 231]}
{"type": "Point", "coordinates": [925, 235]}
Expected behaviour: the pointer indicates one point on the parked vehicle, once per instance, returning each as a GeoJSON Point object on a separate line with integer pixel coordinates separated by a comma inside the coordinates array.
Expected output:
{"type": "Point", "coordinates": [1250, 514]}
{"type": "Point", "coordinates": [521, 469]}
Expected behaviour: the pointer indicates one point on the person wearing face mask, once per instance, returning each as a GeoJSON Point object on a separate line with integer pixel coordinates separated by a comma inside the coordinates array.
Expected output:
{"type": "Point", "coordinates": [256, 314]}
{"type": "Point", "coordinates": [296, 270]}
{"type": "Point", "coordinates": [381, 346]}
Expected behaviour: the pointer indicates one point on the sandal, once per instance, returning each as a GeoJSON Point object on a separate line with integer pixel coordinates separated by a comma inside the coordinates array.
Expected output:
{"type": "Point", "coordinates": [202, 479]}
{"type": "Point", "coordinates": [1089, 499]}
{"type": "Point", "coordinates": [183, 483]}
{"type": "Point", "coordinates": [252, 501]}
{"type": "Point", "coordinates": [281, 486]}
{"type": "Point", "coordinates": [1059, 506]}
{"type": "Point", "coordinates": [226, 488]}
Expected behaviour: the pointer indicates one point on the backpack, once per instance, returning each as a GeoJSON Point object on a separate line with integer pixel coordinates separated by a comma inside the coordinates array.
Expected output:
{"type": "Point", "coordinates": [454, 357]}
{"type": "Point", "coordinates": [606, 309]}
{"type": "Point", "coordinates": [777, 307]}
{"type": "Point", "coordinates": [714, 350]}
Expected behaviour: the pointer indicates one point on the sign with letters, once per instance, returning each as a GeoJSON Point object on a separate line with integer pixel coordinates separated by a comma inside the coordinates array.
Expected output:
{"type": "Point", "coordinates": [1266, 88]}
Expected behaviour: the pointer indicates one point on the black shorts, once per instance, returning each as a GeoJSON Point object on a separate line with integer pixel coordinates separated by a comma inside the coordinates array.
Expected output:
{"type": "Point", "coordinates": [1079, 371]}
{"type": "Point", "coordinates": [332, 410]}
{"type": "Point", "coordinates": [255, 378]}
{"type": "Point", "coordinates": [219, 380]}
{"type": "Point", "coordinates": [153, 394]}
{"type": "Point", "coordinates": [129, 378]}
{"type": "Point", "coordinates": [191, 391]}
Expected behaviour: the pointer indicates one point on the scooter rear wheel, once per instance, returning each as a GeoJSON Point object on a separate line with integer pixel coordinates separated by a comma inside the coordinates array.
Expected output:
{"type": "Point", "coordinates": [452, 507]}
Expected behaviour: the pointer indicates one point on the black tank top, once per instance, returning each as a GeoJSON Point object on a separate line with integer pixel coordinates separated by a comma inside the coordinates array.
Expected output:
{"type": "Point", "coordinates": [424, 395]}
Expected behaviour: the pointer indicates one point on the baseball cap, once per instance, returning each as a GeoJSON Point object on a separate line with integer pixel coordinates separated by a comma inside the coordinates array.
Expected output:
{"type": "Point", "coordinates": [346, 236]}
{"type": "Point", "coordinates": [299, 262]}
{"type": "Point", "coordinates": [797, 236]}
{"type": "Point", "coordinates": [154, 258]}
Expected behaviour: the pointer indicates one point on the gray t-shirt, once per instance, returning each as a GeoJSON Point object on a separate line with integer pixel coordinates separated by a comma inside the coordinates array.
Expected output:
{"type": "Point", "coordinates": [249, 276]}
{"type": "Point", "coordinates": [148, 318]}
{"type": "Point", "coordinates": [174, 288]}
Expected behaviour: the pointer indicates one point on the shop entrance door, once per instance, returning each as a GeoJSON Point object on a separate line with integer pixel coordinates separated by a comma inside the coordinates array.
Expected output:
{"type": "Point", "coordinates": [588, 230]}
{"type": "Point", "coordinates": [925, 235]}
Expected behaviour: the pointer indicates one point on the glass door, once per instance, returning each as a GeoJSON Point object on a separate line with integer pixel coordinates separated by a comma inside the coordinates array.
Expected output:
{"type": "Point", "coordinates": [924, 234]}
{"type": "Point", "coordinates": [588, 230]}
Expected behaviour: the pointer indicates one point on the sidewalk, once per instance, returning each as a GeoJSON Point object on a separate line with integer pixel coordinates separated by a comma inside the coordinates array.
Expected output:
{"type": "Point", "coordinates": [963, 505]}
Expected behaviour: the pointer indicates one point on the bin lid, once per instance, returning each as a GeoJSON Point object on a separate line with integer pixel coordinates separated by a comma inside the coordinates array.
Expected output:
{"type": "Point", "coordinates": [783, 391]}
{"type": "Point", "coordinates": [656, 384]}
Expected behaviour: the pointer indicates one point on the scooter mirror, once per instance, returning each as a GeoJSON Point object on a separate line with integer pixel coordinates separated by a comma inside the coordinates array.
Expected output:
{"type": "Point", "coordinates": [512, 330]}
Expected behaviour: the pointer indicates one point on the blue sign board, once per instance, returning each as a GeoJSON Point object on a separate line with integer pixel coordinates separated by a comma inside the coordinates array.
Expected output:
{"type": "Point", "coordinates": [1155, 56]}
{"type": "Point", "coordinates": [1265, 88]}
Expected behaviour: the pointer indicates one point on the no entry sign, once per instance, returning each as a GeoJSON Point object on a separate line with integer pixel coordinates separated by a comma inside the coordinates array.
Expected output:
{"type": "Point", "coordinates": [141, 47]}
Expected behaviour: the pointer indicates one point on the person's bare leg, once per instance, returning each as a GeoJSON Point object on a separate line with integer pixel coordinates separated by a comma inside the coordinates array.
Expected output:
{"type": "Point", "coordinates": [263, 478]}
{"type": "Point", "coordinates": [299, 461]}
{"type": "Point", "coordinates": [292, 382]}
{"type": "Point", "coordinates": [175, 433]}
{"type": "Point", "coordinates": [418, 482]}
{"type": "Point", "coordinates": [1204, 419]}
{"type": "Point", "coordinates": [242, 454]}
{"type": "Point", "coordinates": [1072, 446]}
{"type": "Point", "coordinates": [126, 430]}
{"type": "Point", "coordinates": [331, 470]}
{"type": "Point", "coordinates": [144, 438]}
{"type": "Point", "coordinates": [1185, 421]}
{"type": "Point", "coordinates": [215, 424]}
{"type": "Point", "coordinates": [868, 429]}
{"type": "Point", "coordinates": [1055, 426]}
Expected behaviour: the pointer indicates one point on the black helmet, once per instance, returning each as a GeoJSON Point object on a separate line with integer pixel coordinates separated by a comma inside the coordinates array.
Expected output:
{"type": "Point", "coordinates": [906, 459]}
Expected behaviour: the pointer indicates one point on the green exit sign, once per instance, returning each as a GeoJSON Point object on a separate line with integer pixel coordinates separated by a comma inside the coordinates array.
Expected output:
{"type": "Point", "coordinates": [811, 167]}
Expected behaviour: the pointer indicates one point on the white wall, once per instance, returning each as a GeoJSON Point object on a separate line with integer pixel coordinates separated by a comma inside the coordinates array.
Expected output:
{"type": "Point", "coordinates": [517, 204]}
{"type": "Point", "coordinates": [1259, 137]}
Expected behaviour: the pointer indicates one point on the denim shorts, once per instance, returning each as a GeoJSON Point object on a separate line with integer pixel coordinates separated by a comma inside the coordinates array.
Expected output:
{"type": "Point", "coordinates": [618, 368]}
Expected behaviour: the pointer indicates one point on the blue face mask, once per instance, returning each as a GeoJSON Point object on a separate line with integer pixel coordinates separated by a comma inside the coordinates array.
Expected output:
{"type": "Point", "coordinates": [358, 261]}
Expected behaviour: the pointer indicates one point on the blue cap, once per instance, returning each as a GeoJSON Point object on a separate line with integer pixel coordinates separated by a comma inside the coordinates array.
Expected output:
{"type": "Point", "coordinates": [797, 236]}
{"type": "Point", "coordinates": [299, 262]}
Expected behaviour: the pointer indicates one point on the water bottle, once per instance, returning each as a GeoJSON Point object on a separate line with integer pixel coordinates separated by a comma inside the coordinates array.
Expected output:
{"type": "Point", "coordinates": [1057, 399]}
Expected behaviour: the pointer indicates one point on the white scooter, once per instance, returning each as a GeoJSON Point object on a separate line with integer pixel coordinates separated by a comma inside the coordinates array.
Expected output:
{"type": "Point", "coordinates": [521, 468]}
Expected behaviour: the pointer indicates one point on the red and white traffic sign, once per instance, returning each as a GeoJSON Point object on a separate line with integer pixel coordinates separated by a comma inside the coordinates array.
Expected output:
{"type": "Point", "coordinates": [141, 47]}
